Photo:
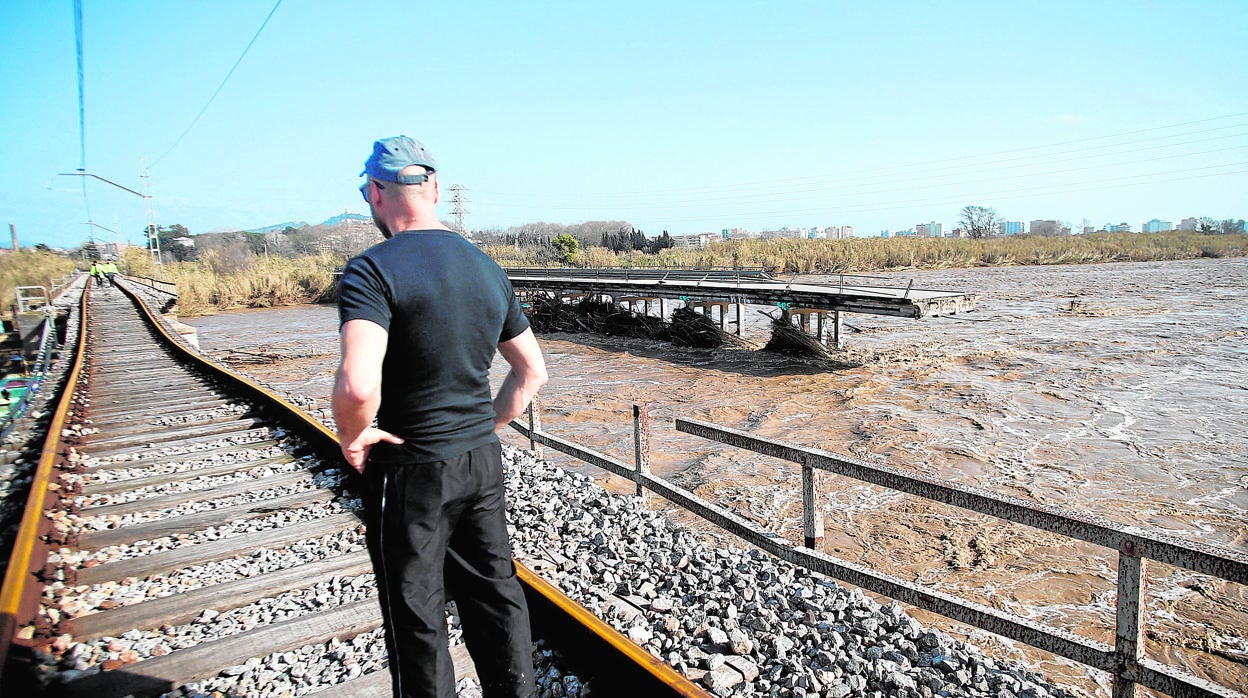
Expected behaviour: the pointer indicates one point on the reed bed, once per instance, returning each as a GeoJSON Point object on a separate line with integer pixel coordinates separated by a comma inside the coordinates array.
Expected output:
{"type": "Point", "coordinates": [863, 255]}
{"type": "Point", "coordinates": [30, 268]}
{"type": "Point", "coordinates": [207, 285]}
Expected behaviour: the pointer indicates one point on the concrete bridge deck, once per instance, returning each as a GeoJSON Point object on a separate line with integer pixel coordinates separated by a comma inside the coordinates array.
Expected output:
{"type": "Point", "coordinates": [852, 294]}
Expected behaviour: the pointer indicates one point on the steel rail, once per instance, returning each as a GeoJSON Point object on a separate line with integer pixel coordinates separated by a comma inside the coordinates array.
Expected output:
{"type": "Point", "coordinates": [15, 598]}
{"type": "Point", "coordinates": [659, 673]}
{"type": "Point", "coordinates": [619, 657]}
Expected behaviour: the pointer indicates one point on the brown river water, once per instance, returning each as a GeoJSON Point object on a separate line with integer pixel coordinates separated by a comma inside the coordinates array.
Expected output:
{"type": "Point", "coordinates": [1115, 390]}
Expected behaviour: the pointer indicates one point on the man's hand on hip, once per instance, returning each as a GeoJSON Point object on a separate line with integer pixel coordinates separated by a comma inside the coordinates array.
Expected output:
{"type": "Point", "coordinates": [356, 452]}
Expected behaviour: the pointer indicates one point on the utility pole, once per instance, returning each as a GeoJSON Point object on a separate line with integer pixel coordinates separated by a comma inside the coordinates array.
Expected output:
{"type": "Point", "coordinates": [153, 237]}
{"type": "Point", "coordinates": [458, 199]}
{"type": "Point", "coordinates": [80, 172]}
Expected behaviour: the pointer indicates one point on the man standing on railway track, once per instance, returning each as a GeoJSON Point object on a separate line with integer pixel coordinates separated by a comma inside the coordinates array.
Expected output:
{"type": "Point", "coordinates": [422, 314]}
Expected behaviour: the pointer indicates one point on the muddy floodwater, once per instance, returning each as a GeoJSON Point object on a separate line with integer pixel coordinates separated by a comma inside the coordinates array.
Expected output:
{"type": "Point", "coordinates": [1115, 390]}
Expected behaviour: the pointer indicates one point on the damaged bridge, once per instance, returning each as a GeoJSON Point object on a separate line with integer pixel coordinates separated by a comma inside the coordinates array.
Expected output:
{"type": "Point", "coordinates": [711, 289]}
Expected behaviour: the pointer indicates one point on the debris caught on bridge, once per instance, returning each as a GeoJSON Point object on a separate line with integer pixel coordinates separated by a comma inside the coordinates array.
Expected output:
{"type": "Point", "coordinates": [690, 328]}
{"type": "Point", "coordinates": [791, 340]}
{"type": "Point", "coordinates": [547, 314]}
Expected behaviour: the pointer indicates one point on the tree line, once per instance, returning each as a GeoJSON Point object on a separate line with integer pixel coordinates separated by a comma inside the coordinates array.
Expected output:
{"type": "Point", "coordinates": [551, 242]}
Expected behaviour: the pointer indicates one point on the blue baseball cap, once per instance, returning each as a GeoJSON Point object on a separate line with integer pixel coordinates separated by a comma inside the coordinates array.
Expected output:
{"type": "Point", "coordinates": [391, 155]}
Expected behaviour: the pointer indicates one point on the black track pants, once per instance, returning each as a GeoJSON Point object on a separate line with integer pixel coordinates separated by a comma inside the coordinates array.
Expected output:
{"type": "Point", "coordinates": [437, 531]}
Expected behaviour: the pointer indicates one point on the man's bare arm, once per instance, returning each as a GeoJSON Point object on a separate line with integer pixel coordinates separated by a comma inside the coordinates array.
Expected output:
{"type": "Point", "coordinates": [526, 377]}
{"type": "Point", "coordinates": [357, 391]}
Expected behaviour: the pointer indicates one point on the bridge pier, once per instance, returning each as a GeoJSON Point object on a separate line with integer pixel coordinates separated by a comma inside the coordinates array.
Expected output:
{"type": "Point", "coordinates": [827, 332]}
{"type": "Point", "coordinates": [708, 308]}
{"type": "Point", "coordinates": [632, 301]}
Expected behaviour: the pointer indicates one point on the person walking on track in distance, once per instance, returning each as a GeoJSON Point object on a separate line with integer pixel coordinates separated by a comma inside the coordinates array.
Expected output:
{"type": "Point", "coordinates": [421, 315]}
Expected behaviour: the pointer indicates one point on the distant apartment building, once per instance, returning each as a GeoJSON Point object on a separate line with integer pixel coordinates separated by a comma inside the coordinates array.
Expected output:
{"type": "Point", "coordinates": [1157, 226]}
{"type": "Point", "coordinates": [114, 249]}
{"type": "Point", "coordinates": [1119, 228]}
{"type": "Point", "coordinates": [1010, 227]}
{"type": "Point", "coordinates": [1045, 228]}
{"type": "Point", "coordinates": [929, 230]}
{"type": "Point", "coordinates": [1189, 225]}
{"type": "Point", "coordinates": [696, 241]}
{"type": "Point", "coordinates": [833, 232]}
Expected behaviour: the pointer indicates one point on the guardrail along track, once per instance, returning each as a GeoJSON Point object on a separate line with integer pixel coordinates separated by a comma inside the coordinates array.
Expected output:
{"type": "Point", "coordinates": [206, 539]}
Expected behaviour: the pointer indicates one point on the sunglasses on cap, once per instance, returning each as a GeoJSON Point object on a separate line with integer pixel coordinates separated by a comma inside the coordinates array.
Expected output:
{"type": "Point", "coordinates": [413, 180]}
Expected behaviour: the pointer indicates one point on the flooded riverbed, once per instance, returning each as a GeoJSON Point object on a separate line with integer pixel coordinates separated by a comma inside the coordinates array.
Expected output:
{"type": "Point", "coordinates": [1115, 390]}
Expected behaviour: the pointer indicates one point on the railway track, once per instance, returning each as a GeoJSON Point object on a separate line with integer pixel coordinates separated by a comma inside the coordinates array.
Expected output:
{"type": "Point", "coordinates": [201, 536]}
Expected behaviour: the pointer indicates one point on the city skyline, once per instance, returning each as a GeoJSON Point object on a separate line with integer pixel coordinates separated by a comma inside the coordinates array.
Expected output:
{"type": "Point", "coordinates": [688, 118]}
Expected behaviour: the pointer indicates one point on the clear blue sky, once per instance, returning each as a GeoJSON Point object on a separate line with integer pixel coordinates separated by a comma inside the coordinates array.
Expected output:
{"type": "Point", "coordinates": [686, 116]}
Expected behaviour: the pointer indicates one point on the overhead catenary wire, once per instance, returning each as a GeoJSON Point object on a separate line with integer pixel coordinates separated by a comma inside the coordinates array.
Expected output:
{"type": "Point", "coordinates": [219, 87]}
{"type": "Point", "coordinates": [82, 114]}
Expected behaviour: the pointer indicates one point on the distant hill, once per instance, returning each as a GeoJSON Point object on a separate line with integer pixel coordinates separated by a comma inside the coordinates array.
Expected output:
{"type": "Point", "coordinates": [344, 217]}
{"type": "Point", "coordinates": [278, 227]}
{"type": "Point", "coordinates": [336, 220]}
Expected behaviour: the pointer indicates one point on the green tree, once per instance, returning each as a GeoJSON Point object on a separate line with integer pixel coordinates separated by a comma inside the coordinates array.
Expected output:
{"type": "Point", "coordinates": [662, 242]}
{"type": "Point", "coordinates": [177, 251]}
{"type": "Point", "coordinates": [567, 247]}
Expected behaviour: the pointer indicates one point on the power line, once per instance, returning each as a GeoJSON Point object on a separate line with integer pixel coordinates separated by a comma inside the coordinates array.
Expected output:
{"type": "Point", "coordinates": [219, 87]}
{"type": "Point", "coordinates": [82, 112]}
{"type": "Point", "coordinates": [886, 204]}
{"type": "Point", "coordinates": [942, 164]}
{"type": "Point", "coordinates": [1072, 187]}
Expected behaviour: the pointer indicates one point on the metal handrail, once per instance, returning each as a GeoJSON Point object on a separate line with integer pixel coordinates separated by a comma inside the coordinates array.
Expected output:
{"type": "Point", "coordinates": [158, 284]}
{"type": "Point", "coordinates": [43, 360]}
{"type": "Point", "coordinates": [1135, 546]}
{"type": "Point", "coordinates": [641, 273]}
{"type": "Point", "coordinates": [1125, 660]}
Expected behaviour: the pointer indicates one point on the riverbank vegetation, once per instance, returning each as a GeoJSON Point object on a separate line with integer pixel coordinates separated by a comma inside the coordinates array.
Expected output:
{"type": "Point", "coordinates": [212, 283]}
{"type": "Point", "coordinates": [30, 267]}
{"type": "Point", "coordinates": [216, 281]}
{"type": "Point", "coordinates": [859, 255]}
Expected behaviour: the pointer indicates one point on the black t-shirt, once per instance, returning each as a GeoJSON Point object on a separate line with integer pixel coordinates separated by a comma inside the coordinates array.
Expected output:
{"type": "Point", "coordinates": [446, 306]}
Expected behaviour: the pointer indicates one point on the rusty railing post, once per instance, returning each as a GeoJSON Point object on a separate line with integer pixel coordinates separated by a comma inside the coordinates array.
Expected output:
{"type": "Point", "coordinates": [535, 425]}
{"type": "Point", "coordinates": [812, 514]}
{"type": "Point", "coordinates": [1129, 633]}
{"type": "Point", "coordinates": [641, 445]}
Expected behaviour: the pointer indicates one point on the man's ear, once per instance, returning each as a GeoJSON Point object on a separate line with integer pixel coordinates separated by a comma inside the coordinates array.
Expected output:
{"type": "Point", "coordinates": [437, 190]}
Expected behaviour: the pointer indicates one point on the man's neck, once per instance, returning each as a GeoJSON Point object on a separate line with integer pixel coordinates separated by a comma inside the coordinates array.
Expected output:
{"type": "Point", "coordinates": [401, 223]}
